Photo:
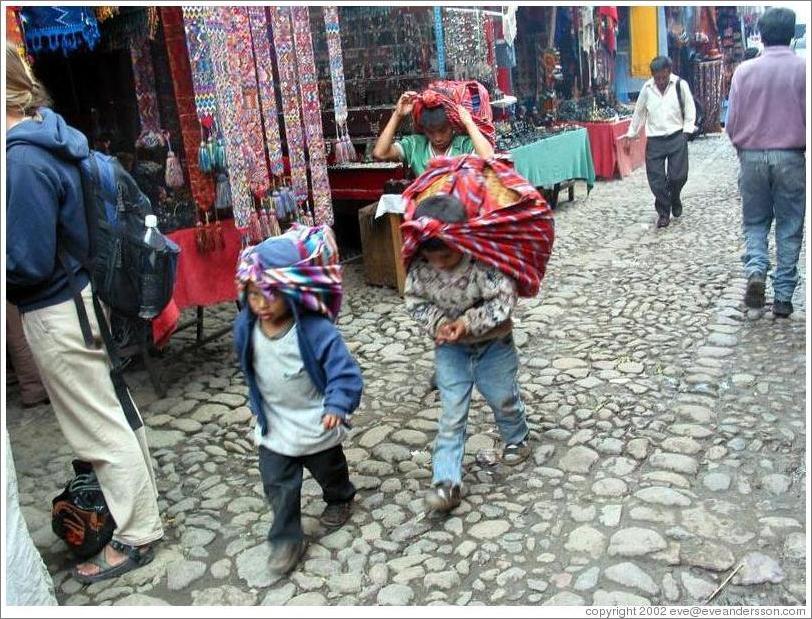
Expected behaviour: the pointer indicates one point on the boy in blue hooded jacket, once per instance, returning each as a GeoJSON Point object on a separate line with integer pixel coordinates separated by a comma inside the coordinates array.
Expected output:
{"type": "Point", "coordinates": [303, 383]}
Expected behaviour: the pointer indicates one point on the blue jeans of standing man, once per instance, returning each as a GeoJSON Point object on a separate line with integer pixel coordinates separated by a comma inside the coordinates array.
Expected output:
{"type": "Point", "coordinates": [772, 184]}
{"type": "Point", "coordinates": [492, 366]}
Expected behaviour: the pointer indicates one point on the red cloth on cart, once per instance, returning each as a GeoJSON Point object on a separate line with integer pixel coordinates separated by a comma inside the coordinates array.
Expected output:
{"type": "Point", "coordinates": [449, 95]}
{"type": "Point", "coordinates": [516, 238]}
{"type": "Point", "coordinates": [202, 279]}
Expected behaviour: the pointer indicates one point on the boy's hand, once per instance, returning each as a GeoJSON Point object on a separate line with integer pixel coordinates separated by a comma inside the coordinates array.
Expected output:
{"type": "Point", "coordinates": [465, 116]}
{"type": "Point", "coordinates": [451, 331]}
{"type": "Point", "coordinates": [330, 421]}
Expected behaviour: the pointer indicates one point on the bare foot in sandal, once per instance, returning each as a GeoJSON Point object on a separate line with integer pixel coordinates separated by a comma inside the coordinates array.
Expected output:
{"type": "Point", "coordinates": [114, 560]}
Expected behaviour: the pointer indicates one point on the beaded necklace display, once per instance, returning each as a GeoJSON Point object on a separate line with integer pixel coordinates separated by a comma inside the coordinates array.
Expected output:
{"type": "Point", "coordinates": [229, 99]}
{"type": "Point", "coordinates": [151, 135]}
{"type": "Point", "coordinates": [258, 23]}
{"type": "Point", "coordinates": [288, 87]}
{"type": "Point", "coordinates": [311, 113]}
{"type": "Point", "coordinates": [239, 44]}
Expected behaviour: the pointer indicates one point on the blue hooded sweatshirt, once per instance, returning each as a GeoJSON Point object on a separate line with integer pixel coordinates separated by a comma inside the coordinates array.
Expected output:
{"type": "Point", "coordinates": [325, 357]}
{"type": "Point", "coordinates": [43, 202]}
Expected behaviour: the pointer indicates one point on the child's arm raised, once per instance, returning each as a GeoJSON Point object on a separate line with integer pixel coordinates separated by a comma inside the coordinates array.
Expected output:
{"type": "Point", "coordinates": [499, 297]}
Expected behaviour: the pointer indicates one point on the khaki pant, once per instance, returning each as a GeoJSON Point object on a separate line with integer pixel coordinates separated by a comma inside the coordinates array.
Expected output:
{"type": "Point", "coordinates": [78, 382]}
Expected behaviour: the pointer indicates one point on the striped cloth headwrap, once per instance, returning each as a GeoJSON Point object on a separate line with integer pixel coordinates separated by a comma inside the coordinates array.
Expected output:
{"type": "Point", "coordinates": [516, 238]}
{"type": "Point", "coordinates": [450, 94]}
{"type": "Point", "coordinates": [314, 282]}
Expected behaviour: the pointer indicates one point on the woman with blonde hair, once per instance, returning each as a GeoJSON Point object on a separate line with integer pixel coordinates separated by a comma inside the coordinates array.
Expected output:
{"type": "Point", "coordinates": [44, 210]}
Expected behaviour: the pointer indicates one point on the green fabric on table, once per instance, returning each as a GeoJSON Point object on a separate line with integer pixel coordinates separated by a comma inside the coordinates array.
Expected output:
{"type": "Point", "coordinates": [417, 150]}
{"type": "Point", "coordinates": [556, 159]}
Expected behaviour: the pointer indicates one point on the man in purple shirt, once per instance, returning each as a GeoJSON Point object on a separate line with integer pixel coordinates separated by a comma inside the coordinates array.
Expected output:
{"type": "Point", "coordinates": [767, 124]}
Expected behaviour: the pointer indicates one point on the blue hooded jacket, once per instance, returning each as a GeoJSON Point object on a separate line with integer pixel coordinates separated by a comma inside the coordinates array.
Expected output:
{"type": "Point", "coordinates": [331, 367]}
{"type": "Point", "coordinates": [43, 202]}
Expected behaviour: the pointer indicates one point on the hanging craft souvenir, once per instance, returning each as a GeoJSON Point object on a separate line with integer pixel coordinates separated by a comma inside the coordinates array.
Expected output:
{"type": "Point", "coordinates": [239, 43]}
{"type": "Point", "coordinates": [311, 111]}
{"type": "Point", "coordinates": [59, 28]}
{"type": "Point", "coordinates": [344, 149]}
{"type": "Point", "coordinates": [151, 136]}
{"type": "Point", "coordinates": [174, 171]}
{"type": "Point", "coordinates": [262, 55]}
{"type": "Point", "coordinates": [229, 98]}
{"type": "Point", "coordinates": [289, 87]}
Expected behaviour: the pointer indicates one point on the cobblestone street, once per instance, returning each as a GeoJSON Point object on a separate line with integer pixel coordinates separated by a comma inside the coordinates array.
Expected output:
{"type": "Point", "coordinates": [668, 430]}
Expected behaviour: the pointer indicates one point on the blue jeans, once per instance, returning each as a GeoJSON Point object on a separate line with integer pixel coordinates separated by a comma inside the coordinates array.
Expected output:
{"type": "Point", "coordinates": [492, 366]}
{"type": "Point", "coordinates": [772, 184]}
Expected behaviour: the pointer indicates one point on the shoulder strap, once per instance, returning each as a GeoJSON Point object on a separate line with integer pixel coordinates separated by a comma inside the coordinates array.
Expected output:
{"type": "Point", "coordinates": [679, 98]}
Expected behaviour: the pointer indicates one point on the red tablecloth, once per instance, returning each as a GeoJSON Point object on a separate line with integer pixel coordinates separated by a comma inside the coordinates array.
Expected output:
{"type": "Point", "coordinates": [202, 279]}
{"type": "Point", "coordinates": [608, 153]}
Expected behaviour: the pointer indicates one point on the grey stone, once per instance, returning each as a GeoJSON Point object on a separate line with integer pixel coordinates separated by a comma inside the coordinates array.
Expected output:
{"type": "Point", "coordinates": [252, 566]}
{"type": "Point", "coordinates": [630, 575]}
{"type": "Point", "coordinates": [227, 595]}
{"type": "Point", "coordinates": [637, 448]}
{"type": "Point", "coordinates": [587, 579]}
{"type": "Point", "coordinates": [137, 599]}
{"type": "Point", "coordinates": [579, 459]}
{"type": "Point", "coordinates": [489, 529]}
{"type": "Point", "coordinates": [706, 555]}
{"type": "Point", "coordinates": [611, 487]}
{"type": "Point", "coordinates": [279, 596]}
{"type": "Point", "coordinates": [759, 568]}
{"type": "Point", "coordinates": [395, 595]}
{"type": "Point", "coordinates": [795, 547]}
{"type": "Point", "coordinates": [670, 588]}
{"type": "Point", "coordinates": [375, 435]}
{"type": "Point", "coordinates": [197, 537]}
{"type": "Point", "coordinates": [221, 569]}
{"type": "Point", "coordinates": [716, 482]}
{"type": "Point", "coordinates": [776, 483]}
{"type": "Point", "coordinates": [618, 598]}
{"type": "Point", "coordinates": [162, 439]}
{"type": "Point", "coordinates": [586, 539]}
{"type": "Point", "coordinates": [441, 580]}
{"type": "Point", "coordinates": [565, 598]}
{"type": "Point", "coordinates": [635, 541]}
{"type": "Point", "coordinates": [697, 588]}
{"type": "Point", "coordinates": [181, 574]}
{"type": "Point", "coordinates": [660, 495]}
{"type": "Point", "coordinates": [311, 598]}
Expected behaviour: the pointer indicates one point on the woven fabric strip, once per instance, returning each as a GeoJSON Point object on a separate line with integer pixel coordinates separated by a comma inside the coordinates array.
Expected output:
{"type": "Point", "coordinates": [289, 89]}
{"type": "Point", "coordinates": [239, 45]}
{"type": "Point", "coordinates": [229, 100]}
{"type": "Point", "coordinates": [333, 30]}
{"type": "Point", "coordinates": [197, 42]}
{"type": "Point", "coordinates": [264, 63]}
{"type": "Point", "coordinates": [440, 40]}
{"type": "Point", "coordinates": [145, 95]}
{"type": "Point", "coordinates": [311, 115]}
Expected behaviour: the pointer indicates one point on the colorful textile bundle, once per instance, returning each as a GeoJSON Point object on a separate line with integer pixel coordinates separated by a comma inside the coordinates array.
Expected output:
{"type": "Point", "coordinates": [509, 224]}
{"type": "Point", "coordinates": [264, 64]}
{"type": "Point", "coordinates": [229, 101]}
{"type": "Point", "coordinates": [448, 94]}
{"type": "Point", "coordinates": [311, 115]}
{"type": "Point", "coordinates": [151, 135]}
{"type": "Point", "coordinates": [313, 282]}
{"type": "Point", "coordinates": [55, 28]}
{"type": "Point", "coordinates": [239, 43]}
{"type": "Point", "coordinates": [344, 149]}
{"type": "Point", "coordinates": [289, 87]}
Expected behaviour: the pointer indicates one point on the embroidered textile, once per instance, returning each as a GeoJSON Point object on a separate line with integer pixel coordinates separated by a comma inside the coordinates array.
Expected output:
{"type": "Point", "coordinates": [151, 135]}
{"type": "Point", "coordinates": [197, 42]}
{"type": "Point", "coordinates": [239, 45]}
{"type": "Point", "coordinates": [314, 282]}
{"type": "Point", "coordinates": [439, 37]}
{"type": "Point", "coordinates": [226, 71]}
{"type": "Point", "coordinates": [59, 28]}
{"type": "Point", "coordinates": [311, 116]}
{"type": "Point", "coordinates": [264, 64]}
{"type": "Point", "coordinates": [333, 30]}
{"type": "Point", "coordinates": [289, 90]}
{"type": "Point", "coordinates": [13, 32]}
{"type": "Point", "coordinates": [517, 238]}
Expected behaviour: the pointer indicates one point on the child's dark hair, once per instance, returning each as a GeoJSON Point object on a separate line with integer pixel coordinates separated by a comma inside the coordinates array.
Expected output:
{"type": "Point", "coordinates": [433, 118]}
{"type": "Point", "coordinates": [441, 207]}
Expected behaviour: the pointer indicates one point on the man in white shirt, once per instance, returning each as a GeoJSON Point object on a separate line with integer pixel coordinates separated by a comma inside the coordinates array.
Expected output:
{"type": "Point", "coordinates": [669, 115]}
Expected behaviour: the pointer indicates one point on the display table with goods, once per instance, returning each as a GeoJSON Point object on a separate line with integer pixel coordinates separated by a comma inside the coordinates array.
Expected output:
{"type": "Point", "coordinates": [363, 181]}
{"type": "Point", "coordinates": [606, 123]}
{"type": "Point", "coordinates": [549, 157]}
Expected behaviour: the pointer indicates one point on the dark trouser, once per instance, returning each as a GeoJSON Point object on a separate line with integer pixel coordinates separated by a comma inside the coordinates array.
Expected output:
{"type": "Point", "coordinates": [667, 184]}
{"type": "Point", "coordinates": [282, 480]}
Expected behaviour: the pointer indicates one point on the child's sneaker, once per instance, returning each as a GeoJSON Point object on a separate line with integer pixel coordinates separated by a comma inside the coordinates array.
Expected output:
{"type": "Point", "coordinates": [443, 498]}
{"type": "Point", "coordinates": [516, 453]}
{"type": "Point", "coordinates": [285, 556]}
{"type": "Point", "coordinates": [336, 514]}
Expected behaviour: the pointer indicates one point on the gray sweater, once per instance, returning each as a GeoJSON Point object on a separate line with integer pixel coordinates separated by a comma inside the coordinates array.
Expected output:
{"type": "Point", "coordinates": [292, 404]}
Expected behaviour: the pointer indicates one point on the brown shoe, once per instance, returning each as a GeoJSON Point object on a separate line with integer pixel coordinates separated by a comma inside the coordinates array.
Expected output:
{"type": "Point", "coordinates": [663, 221]}
{"type": "Point", "coordinates": [443, 498]}
{"type": "Point", "coordinates": [336, 514]}
{"type": "Point", "coordinates": [285, 556]}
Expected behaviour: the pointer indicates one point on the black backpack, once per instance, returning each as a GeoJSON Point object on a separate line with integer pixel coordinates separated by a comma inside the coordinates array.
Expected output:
{"type": "Point", "coordinates": [116, 257]}
{"type": "Point", "coordinates": [700, 119]}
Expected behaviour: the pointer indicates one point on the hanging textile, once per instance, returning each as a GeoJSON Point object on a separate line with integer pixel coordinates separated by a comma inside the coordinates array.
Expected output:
{"type": "Point", "coordinates": [643, 36]}
{"type": "Point", "coordinates": [333, 31]}
{"type": "Point", "coordinates": [609, 21]}
{"type": "Point", "coordinates": [262, 54]}
{"type": "Point", "coordinates": [509, 24]}
{"type": "Point", "coordinates": [103, 13]}
{"type": "Point", "coordinates": [708, 79]}
{"type": "Point", "coordinates": [151, 135]}
{"type": "Point", "coordinates": [229, 100]}
{"type": "Point", "coordinates": [289, 87]}
{"type": "Point", "coordinates": [180, 71]}
{"type": "Point", "coordinates": [131, 23]}
{"type": "Point", "coordinates": [59, 28]}
{"type": "Point", "coordinates": [239, 44]}
{"type": "Point", "coordinates": [439, 37]}
{"type": "Point", "coordinates": [197, 42]}
{"type": "Point", "coordinates": [311, 115]}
